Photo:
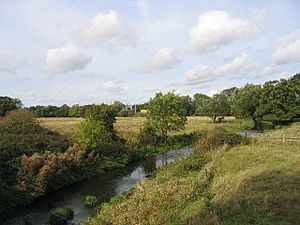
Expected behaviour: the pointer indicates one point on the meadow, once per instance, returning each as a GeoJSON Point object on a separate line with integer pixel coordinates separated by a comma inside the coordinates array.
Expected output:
{"type": "Point", "coordinates": [129, 127]}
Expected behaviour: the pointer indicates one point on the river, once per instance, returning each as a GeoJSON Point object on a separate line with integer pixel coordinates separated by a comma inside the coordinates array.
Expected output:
{"type": "Point", "coordinates": [104, 187]}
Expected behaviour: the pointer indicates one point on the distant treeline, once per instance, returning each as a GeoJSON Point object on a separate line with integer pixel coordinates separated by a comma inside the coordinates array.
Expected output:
{"type": "Point", "coordinates": [274, 101]}
{"type": "Point", "coordinates": [80, 110]}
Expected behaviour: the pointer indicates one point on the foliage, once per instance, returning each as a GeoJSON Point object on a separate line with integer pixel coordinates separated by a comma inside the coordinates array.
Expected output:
{"type": "Point", "coordinates": [60, 216]}
{"type": "Point", "coordinates": [50, 111]}
{"type": "Point", "coordinates": [90, 200]}
{"type": "Point", "coordinates": [8, 104]}
{"type": "Point", "coordinates": [208, 140]}
{"type": "Point", "coordinates": [98, 131]}
{"type": "Point", "coordinates": [43, 172]}
{"type": "Point", "coordinates": [279, 102]}
{"type": "Point", "coordinates": [200, 101]}
{"type": "Point", "coordinates": [246, 101]}
{"type": "Point", "coordinates": [166, 113]}
{"type": "Point", "coordinates": [189, 105]}
{"type": "Point", "coordinates": [217, 107]}
{"type": "Point", "coordinates": [21, 134]}
{"type": "Point", "coordinates": [28, 220]}
{"type": "Point", "coordinates": [76, 111]}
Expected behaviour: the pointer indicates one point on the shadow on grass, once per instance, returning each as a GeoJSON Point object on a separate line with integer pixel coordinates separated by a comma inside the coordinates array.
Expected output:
{"type": "Point", "coordinates": [271, 198]}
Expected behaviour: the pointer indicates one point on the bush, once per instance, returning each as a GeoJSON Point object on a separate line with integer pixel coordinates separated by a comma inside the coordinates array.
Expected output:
{"type": "Point", "coordinates": [43, 172]}
{"type": "Point", "coordinates": [212, 139]}
{"type": "Point", "coordinates": [60, 216]}
{"type": "Point", "coordinates": [146, 137]}
{"type": "Point", "coordinates": [28, 220]}
{"type": "Point", "coordinates": [90, 200]}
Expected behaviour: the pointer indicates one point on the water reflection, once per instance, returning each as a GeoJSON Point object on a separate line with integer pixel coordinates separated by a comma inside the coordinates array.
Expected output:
{"type": "Point", "coordinates": [104, 187]}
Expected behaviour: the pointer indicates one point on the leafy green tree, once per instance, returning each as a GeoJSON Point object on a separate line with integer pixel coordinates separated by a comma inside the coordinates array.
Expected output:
{"type": "Point", "coordinates": [118, 106]}
{"type": "Point", "coordinates": [188, 104]}
{"type": "Point", "coordinates": [279, 102]}
{"type": "Point", "coordinates": [246, 102]}
{"type": "Point", "coordinates": [230, 94]}
{"type": "Point", "coordinates": [166, 113]}
{"type": "Point", "coordinates": [7, 104]}
{"type": "Point", "coordinates": [199, 102]}
{"type": "Point", "coordinates": [97, 130]}
{"type": "Point", "coordinates": [217, 107]}
{"type": "Point", "coordinates": [75, 111]}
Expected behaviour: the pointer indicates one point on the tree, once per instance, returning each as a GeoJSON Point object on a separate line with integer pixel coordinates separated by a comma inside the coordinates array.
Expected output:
{"type": "Point", "coordinates": [217, 107]}
{"type": "Point", "coordinates": [230, 94]}
{"type": "Point", "coordinates": [188, 104]}
{"type": "Point", "coordinates": [279, 102]}
{"type": "Point", "coordinates": [199, 101]}
{"type": "Point", "coordinates": [75, 111]}
{"type": "Point", "coordinates": [7, 104]}
{"type": "Point", "coordinates": [97, 130]}
{"type": "Point", "coordinates": [166, 113]}
{"type": "Point", "coordinates": [246, 102]}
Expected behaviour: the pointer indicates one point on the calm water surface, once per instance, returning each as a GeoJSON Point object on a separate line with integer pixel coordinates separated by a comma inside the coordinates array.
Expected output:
{"type": "Point", "coordinates": [104, 187]}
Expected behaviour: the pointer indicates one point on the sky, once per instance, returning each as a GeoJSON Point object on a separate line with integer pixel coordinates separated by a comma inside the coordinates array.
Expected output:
{"type": "Point", "coordinates": [94, 51]}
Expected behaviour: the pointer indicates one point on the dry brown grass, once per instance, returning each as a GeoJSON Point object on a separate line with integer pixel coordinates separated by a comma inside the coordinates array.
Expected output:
{"type": "Point", "coordinates": [129, 127]}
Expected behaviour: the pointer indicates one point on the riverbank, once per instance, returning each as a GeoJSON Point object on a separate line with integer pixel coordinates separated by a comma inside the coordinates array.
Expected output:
{"type": "Point", "coordinates": [256, 183]}
{"type": "Point", "coordinates": [104, 186]}
{"type": "Point", "coordinates": [59, 161]}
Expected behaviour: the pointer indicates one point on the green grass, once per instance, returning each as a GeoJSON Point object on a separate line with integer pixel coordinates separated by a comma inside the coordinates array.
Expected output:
{"type": "Point", "coordinates": [247, 184]}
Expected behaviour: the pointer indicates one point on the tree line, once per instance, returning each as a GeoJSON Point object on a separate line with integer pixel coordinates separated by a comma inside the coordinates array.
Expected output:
{"type": "Point", "coordinates": [275, 101]}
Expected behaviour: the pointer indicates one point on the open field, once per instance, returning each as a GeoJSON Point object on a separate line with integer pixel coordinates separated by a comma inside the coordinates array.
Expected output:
{"type": "Point", "coordinates": [129, 127]}
{"type": "Point", "coordinates": [247, 184]}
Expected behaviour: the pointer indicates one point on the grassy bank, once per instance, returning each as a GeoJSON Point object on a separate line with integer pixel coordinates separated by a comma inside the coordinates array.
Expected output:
{"type": "Point", "coordinates": [256, 183]}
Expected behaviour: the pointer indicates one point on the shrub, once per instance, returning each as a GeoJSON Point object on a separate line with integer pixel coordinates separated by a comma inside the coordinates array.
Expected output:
{"type": "Point", "coordinates": [43, 172]}
{"type": "Point", "coordinates": [146, 137]}
{"type": "Point", "coordinates": [28, 220]}
{"type": "Point", "coordinates": [60, 216]}
{"type": "Point", "coordinates": [90, 200]}
{"type": "Point", "coordinates": [212, 139]}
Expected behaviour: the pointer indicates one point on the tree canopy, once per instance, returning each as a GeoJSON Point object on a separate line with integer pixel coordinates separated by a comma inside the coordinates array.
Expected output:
{"type": "Point", "coordinates": [166, 113]}
{"type": "Point", "coordinates": [246, 101]}
{"type": "Point", "coordinates": [7, 104]}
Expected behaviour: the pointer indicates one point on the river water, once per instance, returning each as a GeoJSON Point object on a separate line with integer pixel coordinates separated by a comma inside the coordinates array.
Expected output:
{"type": "Point", "coordinates": [104, 187]}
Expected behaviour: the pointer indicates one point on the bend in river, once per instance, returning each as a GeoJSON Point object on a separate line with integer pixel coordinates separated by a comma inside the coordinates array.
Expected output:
{"type": "Point", "coordinates": [104, 187]}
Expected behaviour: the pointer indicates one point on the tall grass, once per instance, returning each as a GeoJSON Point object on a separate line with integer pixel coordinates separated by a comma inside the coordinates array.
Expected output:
{"type": "Point", "coordinates": [256, 183]}
{"type": "Point", "coordinates": [129, 127]}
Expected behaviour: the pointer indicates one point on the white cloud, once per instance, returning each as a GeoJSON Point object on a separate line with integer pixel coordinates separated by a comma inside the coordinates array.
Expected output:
{"type": "Point", "coordinates": [105, 27]}
{"type": "Point", "coordinates": [114, 87]}
{"type": "Point", "coordinates": [199, 74]}
{"type": "Point", "coordinates": [288, 49]}
{"type": "Point", "coordinates": [11, 63]}
{"type": "Point", "coordinates": [203, 73]}
{"type": "Point", "coordinates": [239, 64]}
{"type": "Point", "coordinates": [270, 70]}
{"type": "Point", "coordinates": [66, 59]}
{"type": "Point", "coordinates": [162, 60]}
{"type": "Point", "coordinates": [216, 28]}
